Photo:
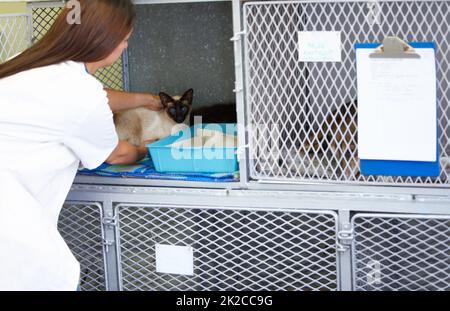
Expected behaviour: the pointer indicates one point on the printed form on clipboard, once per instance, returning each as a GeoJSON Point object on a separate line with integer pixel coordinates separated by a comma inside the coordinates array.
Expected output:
{"type": "Point", "coordinates": [397, 111]}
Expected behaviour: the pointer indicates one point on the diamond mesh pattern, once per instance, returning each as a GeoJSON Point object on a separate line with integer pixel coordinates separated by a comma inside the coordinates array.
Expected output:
{"type": "Point", "coordinates": [233, 249]}
{"type": "Point", "coordinates": [412, 253]}
{"type": "Point", "coordinates": [80, 226]}
{"type": "Point", "coordinates": [43, 19]}
{"type": "Point", "coordinates": [14, 35]}
{"type": "Point", "coordinates": [111, 76]}
{"type": "Point", "coordinates": [304, 115]}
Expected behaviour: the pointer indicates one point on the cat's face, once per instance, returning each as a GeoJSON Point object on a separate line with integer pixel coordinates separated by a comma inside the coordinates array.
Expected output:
{"type": "Point", "coordinates": [177, 108]}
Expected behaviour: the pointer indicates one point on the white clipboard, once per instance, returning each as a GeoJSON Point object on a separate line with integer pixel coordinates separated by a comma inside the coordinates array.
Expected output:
{"type": "Point", "coordinates": [397, 110]}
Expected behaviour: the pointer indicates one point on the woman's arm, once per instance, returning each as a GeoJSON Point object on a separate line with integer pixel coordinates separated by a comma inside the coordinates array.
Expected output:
{"type": "Point", "coordinates": [119, 100]}
{"type": "Point", "coordinates": [126, 153]}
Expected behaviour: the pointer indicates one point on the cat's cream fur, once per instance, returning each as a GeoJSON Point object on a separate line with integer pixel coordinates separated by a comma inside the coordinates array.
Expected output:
{"type": "Point", "coordinates": [140, 126]}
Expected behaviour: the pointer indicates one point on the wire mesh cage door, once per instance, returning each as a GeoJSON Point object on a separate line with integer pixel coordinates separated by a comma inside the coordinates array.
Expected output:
{"type": "Point", "coordinates": [233, 249]}
{"type": "Point", "coordinates": [303, 115]}
{"type": "Point", "coordinates": [401, 252]}
{"type": "Point", "coordinates": [80, 224]}
{"type": "Point", "coordinates": [14, 35]}
{"type": "Point", "coordinates": [43, 17]}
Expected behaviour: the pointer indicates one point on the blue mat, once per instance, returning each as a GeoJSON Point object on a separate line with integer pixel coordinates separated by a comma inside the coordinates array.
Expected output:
{"type": "Point", "coordinates": [146, 169]}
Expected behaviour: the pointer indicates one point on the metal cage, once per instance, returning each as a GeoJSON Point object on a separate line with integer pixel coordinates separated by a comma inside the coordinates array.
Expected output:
{"type": "Point", "coordinates": [234, 249]}
{"type": "Point", "coordinates": [14, 34]}
{"type": "Point", "coordinates": [19, 31]}
{"type": "Point", "coordinates": [303, 116]}
{"type": "Point", "coordinates": [43, 16]}
{"type": "Point", "coordinates": [80, 224]}
{"type": "Point", "coordinates": [401, 252]}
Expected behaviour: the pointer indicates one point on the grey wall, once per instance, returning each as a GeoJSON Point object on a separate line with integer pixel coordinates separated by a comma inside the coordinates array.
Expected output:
{"type": "Point", "coordinates": [180, 46]}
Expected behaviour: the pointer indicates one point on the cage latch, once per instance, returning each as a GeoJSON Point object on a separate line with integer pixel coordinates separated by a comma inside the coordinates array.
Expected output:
{"type": "Point", "coordinates": [237, 36]}
{"type": "Point", "coordinates": [107, 243]}
{"type": "Point", "coordinates": [237, 88]}
{"type": "Point", "coordinates": [109, 221]}
{"type": "Point", "coordinates": [345, 238]}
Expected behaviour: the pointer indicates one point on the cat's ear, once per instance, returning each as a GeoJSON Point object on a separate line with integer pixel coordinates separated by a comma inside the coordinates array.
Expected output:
{"type": "Point", "coordinates": [165, 99]}
{"type": "Point", "coordinates": [188, 96]}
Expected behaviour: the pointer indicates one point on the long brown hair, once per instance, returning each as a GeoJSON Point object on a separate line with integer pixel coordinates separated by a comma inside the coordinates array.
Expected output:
{"type": "Point", "coordinates": [104, 24]}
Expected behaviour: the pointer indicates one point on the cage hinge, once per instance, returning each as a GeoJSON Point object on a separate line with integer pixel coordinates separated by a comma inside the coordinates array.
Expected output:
{"type": "Point", "coordinates": [237, 88]}
{"type": "Point", "coordinates": [109, 221]}
{"type": "Point", "coordinates": [237, 36]}
{"type": "Point", "coordinates": [345, 238]}
{"type": "Point", "coordinates": [107, 243]}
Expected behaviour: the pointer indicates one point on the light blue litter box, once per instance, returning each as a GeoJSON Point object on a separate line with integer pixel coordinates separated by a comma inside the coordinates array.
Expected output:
{"type": "Point", "coordinates": [195, 159]}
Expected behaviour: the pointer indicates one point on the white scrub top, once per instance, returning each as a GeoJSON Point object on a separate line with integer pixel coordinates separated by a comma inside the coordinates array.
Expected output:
{"type": "Point", "coordinates": [51, 118]}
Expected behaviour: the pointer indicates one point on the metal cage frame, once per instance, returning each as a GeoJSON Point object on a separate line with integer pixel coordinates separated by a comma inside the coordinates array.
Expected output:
{"type": "Point", "coordinates": [412, 200]}
{"type": "Point", "coordinates": [248, 179]}
{"type": "Point", "coordinates": [80, 224]}
{"type": "Point", "coordinates": [223, 253]}
{"type": "Point", "coordinates": [149, 199]}
{"type": "Point", "coordinates": [274, 76]}
{"type": "Point", "coordinates": [12, 46]}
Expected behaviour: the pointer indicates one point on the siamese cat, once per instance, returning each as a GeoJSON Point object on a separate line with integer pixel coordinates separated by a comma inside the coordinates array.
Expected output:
{"type": "Point", "coordinates": [141, 126]}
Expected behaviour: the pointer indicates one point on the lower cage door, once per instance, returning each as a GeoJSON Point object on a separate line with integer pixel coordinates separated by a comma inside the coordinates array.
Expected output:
{"type": "Point", "coordinates": [189, 248]}
{"type": "Point", "coordinates": [401, 252]}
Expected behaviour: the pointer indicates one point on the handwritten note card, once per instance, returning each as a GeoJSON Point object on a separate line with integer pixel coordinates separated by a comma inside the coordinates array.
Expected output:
{"type": "Point", "coordinates": [319, 46]}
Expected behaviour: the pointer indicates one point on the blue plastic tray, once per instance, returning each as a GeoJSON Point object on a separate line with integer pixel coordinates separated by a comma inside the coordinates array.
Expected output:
{"type": "Point", "coordinates": [194, 159]}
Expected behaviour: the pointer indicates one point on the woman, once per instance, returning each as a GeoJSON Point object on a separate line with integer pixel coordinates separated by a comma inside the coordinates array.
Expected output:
{"type": "Point", "coordinates": [54, 115]}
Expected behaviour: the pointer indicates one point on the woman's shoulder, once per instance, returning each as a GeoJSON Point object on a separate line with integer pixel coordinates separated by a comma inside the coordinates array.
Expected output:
{"type": "Point", "coordinates": [73, 79]}
{"type": "Point", "coordinates": [83, 89]}
{"type": "Point", "coordinates": [62, 76]}
{"type": "Point", "coordinates": [66, 85]}
{"type": "Point", "coordinates": [77, 72]}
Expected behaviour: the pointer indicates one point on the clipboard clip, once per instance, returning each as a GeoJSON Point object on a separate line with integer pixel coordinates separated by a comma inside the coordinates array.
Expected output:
{"type": "Point", "coordinates": [394, 47]}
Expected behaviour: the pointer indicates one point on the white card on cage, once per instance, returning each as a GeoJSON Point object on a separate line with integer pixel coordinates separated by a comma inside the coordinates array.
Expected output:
{"type": "Point", "coordinates": [319, 46]}
{"type": "Point", "coordinates": [174, 259]}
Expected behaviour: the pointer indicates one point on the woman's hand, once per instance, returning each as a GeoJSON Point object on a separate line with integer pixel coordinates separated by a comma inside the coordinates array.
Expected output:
{"type": "Point", "coordinates": [153, 102]}
{"type": "Point", "coordinates": [126, 153]}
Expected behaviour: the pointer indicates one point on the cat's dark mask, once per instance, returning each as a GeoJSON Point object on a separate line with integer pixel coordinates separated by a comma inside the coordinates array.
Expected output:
{"type": "Point", "coordinates": [177, 109]}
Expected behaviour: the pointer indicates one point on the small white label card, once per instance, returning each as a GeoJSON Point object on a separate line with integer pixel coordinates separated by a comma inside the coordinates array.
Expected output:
{"type": "Point", "coordinates": [174, 259]}
{"type": "Point", "coordinates": [319, 46]}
